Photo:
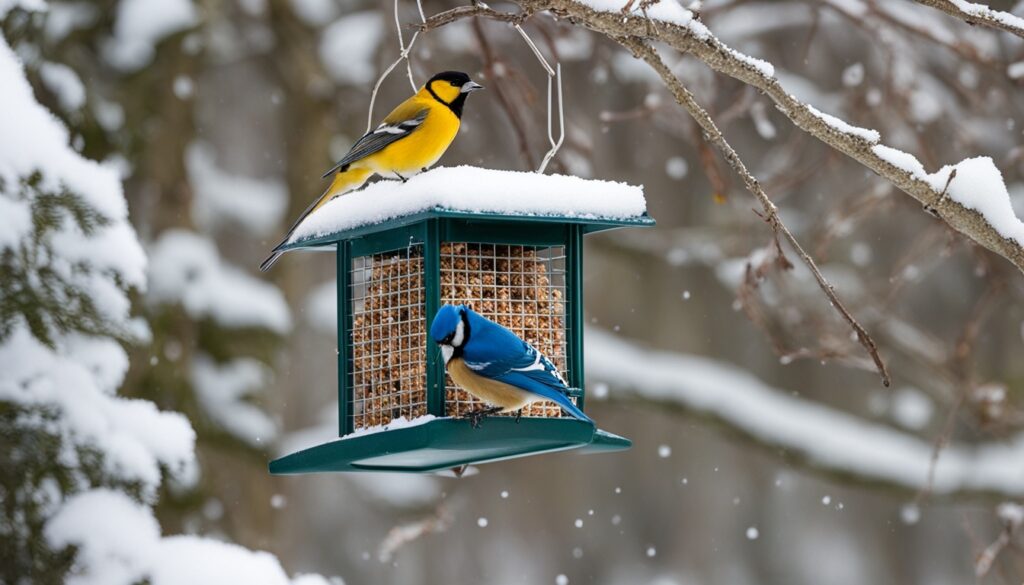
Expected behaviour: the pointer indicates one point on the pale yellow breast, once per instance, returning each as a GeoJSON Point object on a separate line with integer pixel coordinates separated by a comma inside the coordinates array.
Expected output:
{"type": "Point", "coordinates": [490, 391]}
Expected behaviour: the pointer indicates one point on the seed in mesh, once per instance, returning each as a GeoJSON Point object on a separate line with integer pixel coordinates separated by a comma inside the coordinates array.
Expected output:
{"type": "Point", "coordinates": [388, 340]}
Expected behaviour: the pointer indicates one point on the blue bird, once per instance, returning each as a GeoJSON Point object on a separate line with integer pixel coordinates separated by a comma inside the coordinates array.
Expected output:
{"type": "Point", "coordinates": [496, 366]}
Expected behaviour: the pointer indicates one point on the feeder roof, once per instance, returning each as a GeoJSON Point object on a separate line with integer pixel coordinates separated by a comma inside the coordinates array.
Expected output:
{"type": "Point", "coordinates": [473, 192]}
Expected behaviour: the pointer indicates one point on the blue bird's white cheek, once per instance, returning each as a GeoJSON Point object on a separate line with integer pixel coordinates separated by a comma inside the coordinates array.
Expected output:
{"type": "Point", "coordinates": [460, 334]}
{"type": "Point", "coordinates": [447, 352]}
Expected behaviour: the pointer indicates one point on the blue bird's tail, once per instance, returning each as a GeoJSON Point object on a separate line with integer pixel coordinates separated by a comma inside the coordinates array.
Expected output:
{"type": "Point", "coordinates": [566, 404]}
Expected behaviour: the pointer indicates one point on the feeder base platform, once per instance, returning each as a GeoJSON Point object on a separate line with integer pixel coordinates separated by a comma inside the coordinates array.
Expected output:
{"type": "Point", "coordinates": [444, 443]}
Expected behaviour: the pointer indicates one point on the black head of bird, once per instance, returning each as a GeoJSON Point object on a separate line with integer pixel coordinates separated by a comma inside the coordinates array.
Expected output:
{"type": "Point", "coordinates": [451, 88]}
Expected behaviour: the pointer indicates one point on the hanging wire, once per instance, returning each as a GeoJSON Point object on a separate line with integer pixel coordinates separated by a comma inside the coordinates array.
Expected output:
{"type": "Point", "coordinates": [403, 55]}
{"type": "Point", "coordinates": [561, 121]}
{"type": "Point", "coordinates": [554, 76]}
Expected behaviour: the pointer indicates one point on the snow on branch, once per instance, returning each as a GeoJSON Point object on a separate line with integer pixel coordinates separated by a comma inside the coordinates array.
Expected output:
{"type": "Point", "coordinates": [771, 214]}
{"type": "Point", "coordinates": [825, 438]}
{"type": "Point", "coordinates": [975, 13]}
{"type": "Point", "coordinates": [676, 27]}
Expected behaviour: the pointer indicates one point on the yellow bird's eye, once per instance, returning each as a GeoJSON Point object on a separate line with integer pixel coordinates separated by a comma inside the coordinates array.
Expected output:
{"type": "Point", "coordinates": [455, 84]}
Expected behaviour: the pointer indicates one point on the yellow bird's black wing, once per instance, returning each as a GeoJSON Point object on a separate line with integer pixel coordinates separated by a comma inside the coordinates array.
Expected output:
{"type": "Point", "coordinates": [395, 127]}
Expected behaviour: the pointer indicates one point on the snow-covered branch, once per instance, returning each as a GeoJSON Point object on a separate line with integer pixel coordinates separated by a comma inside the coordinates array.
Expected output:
{"type": "Point", "coordinates": [973, 205]}
{"type": "Point", "coordinates": [771, 215]}
{"type": "Point", "coordinates": [825, 438]}
{"type": "Point", "coordinates": [975, 13]}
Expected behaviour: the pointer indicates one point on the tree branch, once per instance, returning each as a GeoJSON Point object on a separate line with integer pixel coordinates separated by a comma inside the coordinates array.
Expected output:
{"type": "Point", "coordinates": [685, 99]}
{"type": "Point", "coordinates": [696, 39]}
{"type": "Point", "coordinates": [975, 13]}
{"type": "Point", "coordinates": [449, 16]}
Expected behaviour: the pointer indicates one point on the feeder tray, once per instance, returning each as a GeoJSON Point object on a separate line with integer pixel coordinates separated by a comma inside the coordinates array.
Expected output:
{"type": "Point", "coordinates": [524, 272]}
{"type": "Point", "coordinates": [445, 443]}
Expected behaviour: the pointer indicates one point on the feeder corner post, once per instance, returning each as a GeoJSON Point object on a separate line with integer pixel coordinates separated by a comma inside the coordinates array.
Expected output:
{"type": "Point", "coordinates": [344, 349]}
{"type": "Point", "coordinates": [432, 234]}
{"type": "Point", "coordinates": [574, 290]}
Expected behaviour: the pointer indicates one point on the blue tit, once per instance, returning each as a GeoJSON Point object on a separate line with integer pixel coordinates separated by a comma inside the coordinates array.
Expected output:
{"type": "Point", "coordinates": [496, 366]}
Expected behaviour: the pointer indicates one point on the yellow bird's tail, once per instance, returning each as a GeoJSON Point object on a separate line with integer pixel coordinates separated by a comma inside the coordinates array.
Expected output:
{"type": "Point", "coordinates": [344, 181]}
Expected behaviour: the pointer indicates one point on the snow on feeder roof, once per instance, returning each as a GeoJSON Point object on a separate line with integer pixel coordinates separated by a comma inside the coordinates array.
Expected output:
{"type": "Point", "coordinates": [507, 244]}
{"type": "Point", "coordinates": [465, 190]}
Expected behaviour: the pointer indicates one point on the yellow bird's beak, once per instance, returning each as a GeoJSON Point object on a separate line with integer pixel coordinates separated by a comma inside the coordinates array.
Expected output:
{"type": "Point", "coordinates": [470, 86]}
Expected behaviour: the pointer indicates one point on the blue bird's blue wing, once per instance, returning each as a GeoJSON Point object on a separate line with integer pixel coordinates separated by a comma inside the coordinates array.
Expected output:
{"type": "Point", "coordinates": [541, 378]}
{"type": "Point", "coordinates": [495, 352]}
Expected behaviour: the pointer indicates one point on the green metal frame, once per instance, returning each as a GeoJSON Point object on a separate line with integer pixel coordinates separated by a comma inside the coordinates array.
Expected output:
{"type": "Point", "coordinates": [443, 443]}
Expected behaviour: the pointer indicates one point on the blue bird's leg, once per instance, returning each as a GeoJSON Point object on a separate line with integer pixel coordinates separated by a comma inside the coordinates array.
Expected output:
{"type": "Point", "coordinates": [475, 416]}
{"type": "Point", "coordinates": [519, 415]}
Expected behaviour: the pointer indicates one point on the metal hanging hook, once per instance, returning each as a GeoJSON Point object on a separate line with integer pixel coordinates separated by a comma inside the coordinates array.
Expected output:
{"type": "Point", "coordinates": [554, 75]}
{"type": "Point", "coordinates": [555, 145]}
{"type": "Point", "coordinates": [403, 54]}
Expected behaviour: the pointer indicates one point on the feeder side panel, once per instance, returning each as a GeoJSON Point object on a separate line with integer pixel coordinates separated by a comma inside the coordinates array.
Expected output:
{"type": "Point", "coordinates": [432, 276]}
{"type": "Point", "coordinates": [344, 263]}
{"type": "Point", "coordinates": [574, 262]}
{"type": "Point", "coordinates": [389, 330]}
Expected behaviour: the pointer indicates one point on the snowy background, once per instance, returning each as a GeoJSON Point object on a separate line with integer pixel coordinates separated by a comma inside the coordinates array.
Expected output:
{"type": "Point", "coordinates": [151, 152]}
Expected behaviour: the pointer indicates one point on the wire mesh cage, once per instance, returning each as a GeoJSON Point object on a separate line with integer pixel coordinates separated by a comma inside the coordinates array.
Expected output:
{"type": "Point", "coordinates": [521, 287]}
{"type": "Point", "coordinates": [389, 329]}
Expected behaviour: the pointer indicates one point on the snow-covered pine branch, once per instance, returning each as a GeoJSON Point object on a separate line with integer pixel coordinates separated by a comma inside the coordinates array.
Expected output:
{"type": "Point", "coordinates": [82, 465]}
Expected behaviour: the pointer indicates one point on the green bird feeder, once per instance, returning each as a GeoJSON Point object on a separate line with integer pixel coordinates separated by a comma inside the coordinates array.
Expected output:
{"type": "Point", "coordinates": [397, 409]}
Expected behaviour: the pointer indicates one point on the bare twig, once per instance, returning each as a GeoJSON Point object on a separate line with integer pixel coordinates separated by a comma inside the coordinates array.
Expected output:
{"type": "Point", "coordinates": [449, 16]}
{"type": "Point", "coordinates": [771, 215]}
{"type": "Point", "coordinates": [403, 534]}
{"type": "Point", "coordinates": [941, 442]}
{"type": "Point", "coordinates": [975, 13]}
{"type": "Point", "coordinates": [1010, 515]}
{"type": "Point", "coordinates": [962, 368]}
{"type": "Point", "coordinates": [930, 207]}
{"type": "Point", "coordinates": [506, 103]}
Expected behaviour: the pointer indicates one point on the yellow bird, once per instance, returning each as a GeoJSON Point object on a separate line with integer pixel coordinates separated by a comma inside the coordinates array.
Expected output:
{"type": "Point", "coordinates": [409, 140]}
